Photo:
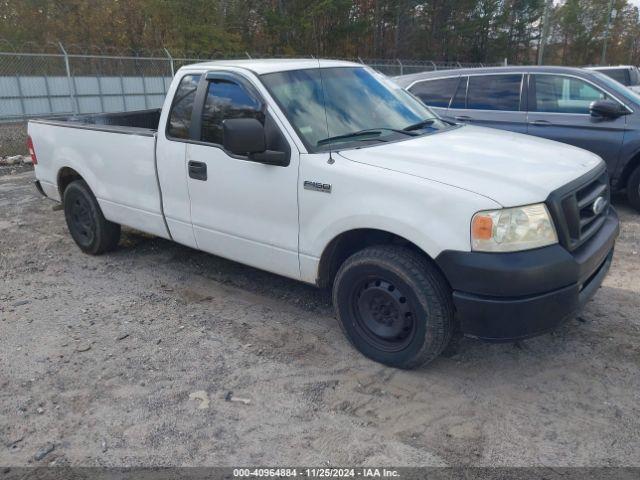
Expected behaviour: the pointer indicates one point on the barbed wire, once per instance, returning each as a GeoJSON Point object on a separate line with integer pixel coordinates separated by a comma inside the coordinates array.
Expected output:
{"type": "Point", "coordinates": [72, 49]}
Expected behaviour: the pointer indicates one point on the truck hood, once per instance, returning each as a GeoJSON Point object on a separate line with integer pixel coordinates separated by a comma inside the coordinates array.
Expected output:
{"type": "Point", "coordinates": [510, 168]}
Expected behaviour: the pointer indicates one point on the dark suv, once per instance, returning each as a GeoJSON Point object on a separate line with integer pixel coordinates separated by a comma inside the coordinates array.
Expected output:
{"type": "Point", "coordinates": [581, 107]}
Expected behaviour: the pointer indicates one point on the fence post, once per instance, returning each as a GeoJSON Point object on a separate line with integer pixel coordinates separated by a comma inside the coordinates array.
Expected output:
{"type": "Point", "coordinates": [360, 60]}
{"type": "Point", "coordinates": [401, 66]}
{"type": "Point", "coordinates": [21, 95]}
{"type": "Point", "coordinates": [72, 88]}
{"type": "Point", "coordinates": [98, 76]}
{"type": "Point", "coordinates": [124, 97]}
{"type": "Point", "coordinates": [248, 56]}
{"type": "Point", "coordinates": [173, 73]}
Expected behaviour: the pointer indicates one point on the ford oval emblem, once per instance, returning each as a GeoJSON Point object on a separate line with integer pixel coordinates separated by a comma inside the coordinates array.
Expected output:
{"type": "Point", "coordinates": [599, 205]}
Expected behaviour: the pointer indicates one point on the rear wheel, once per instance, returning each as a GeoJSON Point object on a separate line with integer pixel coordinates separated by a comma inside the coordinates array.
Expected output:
{"type": "Point", "coordinates": [394, 306]}
{"type": "Point", "coordinates": [633, 189]}
{"type": "Point", "coordinates": [93, 233]}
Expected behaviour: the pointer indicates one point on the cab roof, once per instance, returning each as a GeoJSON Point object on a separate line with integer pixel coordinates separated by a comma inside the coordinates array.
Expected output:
{"type": "Point", "coordinates": [271, 65]}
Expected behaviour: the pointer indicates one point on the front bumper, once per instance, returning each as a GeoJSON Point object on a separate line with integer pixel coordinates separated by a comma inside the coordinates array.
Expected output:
{"type": "Point", "coordinates": [510, 296]}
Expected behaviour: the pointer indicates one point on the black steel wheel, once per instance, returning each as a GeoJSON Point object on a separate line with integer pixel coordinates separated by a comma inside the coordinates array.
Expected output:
{"type": "Point", "coordinates": [394, 305]}
{"type": "Point", "coordinates": [91, 231]}
{"type": "Point", "coordinates": [82, 223]}
{"type": "Point", "coordinates": [383, 314]}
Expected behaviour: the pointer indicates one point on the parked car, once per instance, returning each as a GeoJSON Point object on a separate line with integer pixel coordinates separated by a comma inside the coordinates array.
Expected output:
{"type": "Point", "coordinates": [572, 105]}
{"type": "Point", "coordinates": [627, 75]}
{"type": "Point", "coordinates": [329, 173]}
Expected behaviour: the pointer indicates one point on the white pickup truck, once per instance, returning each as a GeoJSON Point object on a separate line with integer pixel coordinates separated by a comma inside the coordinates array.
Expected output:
{"type": "Point", "coordinates": [328, 173]}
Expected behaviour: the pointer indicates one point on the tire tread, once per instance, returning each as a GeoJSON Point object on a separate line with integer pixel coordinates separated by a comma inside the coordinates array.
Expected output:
{"type": "Point", "coordinates": [431, 288]}
{"type": "Point", "coordinates": [633, 189]}
{"type": "Point", "coordinates": [107, 232]}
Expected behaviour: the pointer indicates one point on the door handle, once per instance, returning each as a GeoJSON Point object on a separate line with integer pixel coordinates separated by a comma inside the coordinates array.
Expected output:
{"type": "Point", "coordinates": [463, 118]}
{"type": "Point", "coordinates": [198, 170]}
{"type": "Point", "coordinates": [541, 123]}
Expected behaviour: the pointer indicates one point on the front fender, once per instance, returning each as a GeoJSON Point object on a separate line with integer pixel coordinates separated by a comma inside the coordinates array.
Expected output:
{"type": "Point", "coordinates": [429, 214]}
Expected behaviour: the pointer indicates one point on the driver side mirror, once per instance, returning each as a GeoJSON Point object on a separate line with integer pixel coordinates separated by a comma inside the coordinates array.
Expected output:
{"type": "Point", "coordinates": [606, 109]}
{"type": "Point", "coordinates": [246, 137]}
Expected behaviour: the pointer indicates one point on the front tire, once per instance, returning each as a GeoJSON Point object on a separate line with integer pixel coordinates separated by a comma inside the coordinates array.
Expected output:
{"type": "Point", "coordinates": [93, 233]}
{"type": "Point", "coordinates": [394, 306]}
{"type": "Point", "coordinates": [633, 189]}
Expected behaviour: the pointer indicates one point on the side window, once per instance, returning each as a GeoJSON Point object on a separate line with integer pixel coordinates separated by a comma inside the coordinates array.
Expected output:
{"type": "Point", "coordinates": [460, 98]}
{"type": "Point", "coordinates": [435, 93]}
{"type": "Point", "coordinates": [226, 99]}
{"type": "Point", "coordinates": [182, 107]}
{"type": "Point", "coordinates": [618, 74]}
{"type": "Point", "coordinates": [494, 92]}
{"type": "Point", "coordinates": [558, 94]}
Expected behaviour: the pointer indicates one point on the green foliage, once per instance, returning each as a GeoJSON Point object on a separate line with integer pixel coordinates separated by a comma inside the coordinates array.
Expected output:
{"type": "Point", "coordinates": [461, 30]}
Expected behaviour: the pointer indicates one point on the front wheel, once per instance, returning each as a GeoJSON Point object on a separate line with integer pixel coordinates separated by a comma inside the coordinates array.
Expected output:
{"type": "Point", "coordinates": [93, 233]}
{"type": "Point", "coordinates": [394, 306]}
{"type": "Point", "coordinates": [633, 189]}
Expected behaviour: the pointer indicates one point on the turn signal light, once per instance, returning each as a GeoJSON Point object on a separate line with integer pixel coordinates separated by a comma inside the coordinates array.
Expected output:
{"type": "Point", "coordinates": [482, 227]}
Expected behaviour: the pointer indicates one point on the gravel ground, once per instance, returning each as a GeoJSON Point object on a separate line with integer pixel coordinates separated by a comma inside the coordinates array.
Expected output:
{"type": "Point", "coordinates": [13, 138]}
{"type": "Point", "coordinates": [129, 359]}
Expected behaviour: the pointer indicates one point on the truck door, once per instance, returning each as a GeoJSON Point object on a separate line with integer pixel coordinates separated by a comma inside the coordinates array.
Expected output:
{"type": "Point", "coordinates": [240, 209]}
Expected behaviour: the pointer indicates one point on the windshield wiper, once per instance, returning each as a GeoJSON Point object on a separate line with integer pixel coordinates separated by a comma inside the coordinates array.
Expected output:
{"type": "Point", "coordinates": [420, 125]}
{"type": "Point", "coordinates": [361, 133]}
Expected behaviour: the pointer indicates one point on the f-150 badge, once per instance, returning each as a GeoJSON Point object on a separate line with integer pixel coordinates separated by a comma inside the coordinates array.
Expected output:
{"type": "Point", "coordinates": [317, 186]}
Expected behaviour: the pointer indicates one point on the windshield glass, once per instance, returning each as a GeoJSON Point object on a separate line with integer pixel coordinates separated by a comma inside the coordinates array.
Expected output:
{"type": "Point", "coordinates": [618, 88]}
{"type": "Point", "coordinates": [346, 107]}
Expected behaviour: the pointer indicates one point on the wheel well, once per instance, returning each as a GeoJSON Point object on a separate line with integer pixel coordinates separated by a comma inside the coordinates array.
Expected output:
{"type": "Point", "coordinates": [66, 175]}
{"type": "Point", "coordinates": [627, 171]}
{"type": "Point", "coordinates": [348, 243]}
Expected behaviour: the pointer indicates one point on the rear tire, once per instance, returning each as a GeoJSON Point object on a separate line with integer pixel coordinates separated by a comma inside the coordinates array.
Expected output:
{"type": "Point", "coordinates": [633, 189]}
{"type": "Point", "coordinates": [93, 233]}
{"type": "Point", "coordinates": [394, 306]}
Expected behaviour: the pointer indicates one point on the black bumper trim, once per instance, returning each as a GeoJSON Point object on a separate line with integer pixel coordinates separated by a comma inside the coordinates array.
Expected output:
{"type": "Point", "coordinates": [509, 319]}
{"type": "Point", "coordinates": [509, 296]}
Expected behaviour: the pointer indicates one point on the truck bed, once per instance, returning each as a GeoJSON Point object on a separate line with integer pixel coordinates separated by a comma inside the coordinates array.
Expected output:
{"type": "Point", "coordinates": [114, 153]}
{"type": "Point", "coordinates": [139, 122]}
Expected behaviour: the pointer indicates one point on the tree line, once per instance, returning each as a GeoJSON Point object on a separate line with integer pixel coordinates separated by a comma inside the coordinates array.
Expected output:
{"type": "Point", "coordinates": [442, 30]}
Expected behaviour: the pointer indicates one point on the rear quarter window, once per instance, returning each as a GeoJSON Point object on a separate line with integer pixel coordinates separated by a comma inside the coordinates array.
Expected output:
{"type": "Point", "coordinates": [182, 107]}
{"type": "Point", "coordinates": [618, 74]}
{"type": "Point", "coordinates": [435, 93]}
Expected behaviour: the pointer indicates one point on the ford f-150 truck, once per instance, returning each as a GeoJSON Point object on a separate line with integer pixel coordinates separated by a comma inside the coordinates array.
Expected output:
{"type": "Point", "coordinates": [327, 172]}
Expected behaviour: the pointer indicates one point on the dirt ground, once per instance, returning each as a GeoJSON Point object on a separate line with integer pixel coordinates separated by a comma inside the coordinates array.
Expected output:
{"type": "Point", "coordinates": [101, 358]}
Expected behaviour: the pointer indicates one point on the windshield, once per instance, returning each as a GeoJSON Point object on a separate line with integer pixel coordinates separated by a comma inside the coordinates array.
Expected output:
{"type": "Point", "coordinates": [618, 88]}
{"type": "Point", "coordinates": [346, 107]}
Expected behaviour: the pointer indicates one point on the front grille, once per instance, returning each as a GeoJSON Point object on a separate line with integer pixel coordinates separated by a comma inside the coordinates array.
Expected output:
{"type": "Point", "coordinates": [575, 208]}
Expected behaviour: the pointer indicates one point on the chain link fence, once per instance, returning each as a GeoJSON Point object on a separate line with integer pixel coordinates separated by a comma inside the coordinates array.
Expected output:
{"type": "Point", "coordinates": [59, 81]}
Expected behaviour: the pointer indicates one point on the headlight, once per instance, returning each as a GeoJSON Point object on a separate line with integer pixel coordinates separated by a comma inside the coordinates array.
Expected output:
{"type": "Point", "coordinates": [512, 229]}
